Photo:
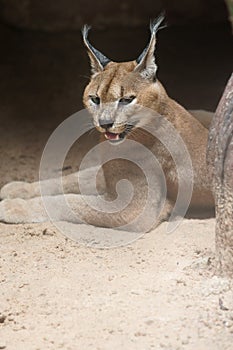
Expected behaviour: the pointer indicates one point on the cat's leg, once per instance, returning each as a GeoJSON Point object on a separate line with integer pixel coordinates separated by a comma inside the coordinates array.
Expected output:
{"type": "Point", "coordinates": [76, 209]}
{"type": "Point", "coordinates": [51, 187]}
{"type": "Point", "coordinates": [70, 207]}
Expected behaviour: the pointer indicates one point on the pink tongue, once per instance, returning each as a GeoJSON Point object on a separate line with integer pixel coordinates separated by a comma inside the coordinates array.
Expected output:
{"type": "Point", "coordinates": [111, 136]}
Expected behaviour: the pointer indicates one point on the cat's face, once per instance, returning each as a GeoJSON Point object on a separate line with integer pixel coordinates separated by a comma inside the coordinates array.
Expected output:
{"type": "Point", "coordinates": [118, 91]}
{"type": "Point", "coordinates": [114, 97]}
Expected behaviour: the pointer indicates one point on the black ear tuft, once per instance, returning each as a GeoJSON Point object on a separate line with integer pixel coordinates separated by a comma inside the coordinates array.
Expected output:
{"type": "Point", "coordinates": [146, 61]}
{"type": "Point", "coordinates": [155, 24]}
{"type": "Point", "coordinates": [98, 60]}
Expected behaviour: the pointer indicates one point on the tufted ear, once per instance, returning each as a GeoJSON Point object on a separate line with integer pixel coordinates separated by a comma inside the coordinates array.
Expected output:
{"type": "Point", "coordinates": [97, 59]}
{"type": "Point", "coordinates": [146, 61]}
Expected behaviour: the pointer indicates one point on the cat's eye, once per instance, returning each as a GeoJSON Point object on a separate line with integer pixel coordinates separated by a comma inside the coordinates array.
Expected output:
{"type": "Point", "coordinates": [95, 99]}
{"type": "Point", "coordinates": [127, 100]}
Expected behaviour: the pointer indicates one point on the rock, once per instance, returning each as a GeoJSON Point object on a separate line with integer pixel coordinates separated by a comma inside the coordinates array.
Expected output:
{"type": "Point", "coordinates": [2, 318]}
{"type": "Point", "coordinates": [220, 159]}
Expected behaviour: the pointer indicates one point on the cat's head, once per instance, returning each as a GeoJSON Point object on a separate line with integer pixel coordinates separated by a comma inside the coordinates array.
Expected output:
{"type": "Point", "coordinates": [117, 91]}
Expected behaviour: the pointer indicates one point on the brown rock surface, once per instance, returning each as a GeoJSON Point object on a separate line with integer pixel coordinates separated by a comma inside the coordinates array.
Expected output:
{"type": "Point", "coordinates": [220, 154]}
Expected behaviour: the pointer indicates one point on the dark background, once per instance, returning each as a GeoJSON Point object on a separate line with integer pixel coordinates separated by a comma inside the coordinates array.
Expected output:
{"type": "Point", "coordinates": [44, 67]}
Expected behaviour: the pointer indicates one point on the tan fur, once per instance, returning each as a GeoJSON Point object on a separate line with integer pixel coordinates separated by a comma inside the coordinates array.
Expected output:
{"type": "Point", "coordinates": [118, 77]}
{"type": "Point", "coordinates": [110, 83]}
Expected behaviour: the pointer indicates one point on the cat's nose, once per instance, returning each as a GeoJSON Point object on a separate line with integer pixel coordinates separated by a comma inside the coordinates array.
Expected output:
{"type": "Point", "coordinates": [107, 124]}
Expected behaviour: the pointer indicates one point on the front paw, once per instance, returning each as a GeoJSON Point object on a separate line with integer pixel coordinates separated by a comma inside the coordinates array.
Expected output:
{"type": "Point", "coordinates": [16, 189]}
{"type": "Point", "coordinates": [14, 211]}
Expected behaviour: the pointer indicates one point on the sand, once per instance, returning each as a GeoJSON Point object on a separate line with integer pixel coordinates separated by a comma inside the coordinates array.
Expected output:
{"type": "Point", "coordinates": [159, 292]}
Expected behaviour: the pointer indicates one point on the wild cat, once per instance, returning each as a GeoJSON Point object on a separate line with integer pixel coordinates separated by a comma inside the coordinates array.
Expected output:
{"type": "Point", "coordinates": [117, 97]}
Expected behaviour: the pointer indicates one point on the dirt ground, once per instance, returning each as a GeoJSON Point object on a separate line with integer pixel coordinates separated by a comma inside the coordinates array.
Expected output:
{"type": "Point", "coordinates": [159, 292]}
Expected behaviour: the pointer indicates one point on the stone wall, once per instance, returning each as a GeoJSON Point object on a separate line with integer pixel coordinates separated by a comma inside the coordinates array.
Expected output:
{"type": "Point", "coordinates": [62, 15]}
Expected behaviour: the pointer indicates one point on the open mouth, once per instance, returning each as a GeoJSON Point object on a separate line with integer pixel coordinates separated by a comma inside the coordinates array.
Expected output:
{"type": "Point", "coordinates": [116, 137]}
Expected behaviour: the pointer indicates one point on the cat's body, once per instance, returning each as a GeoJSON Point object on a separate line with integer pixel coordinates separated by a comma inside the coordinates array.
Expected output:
{"type": "Point", "coordinates": [127, 102]}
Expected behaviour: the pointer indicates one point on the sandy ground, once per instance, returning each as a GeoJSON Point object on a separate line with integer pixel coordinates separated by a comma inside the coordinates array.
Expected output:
{"type": "Point", "coordinates": [157, 293]}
